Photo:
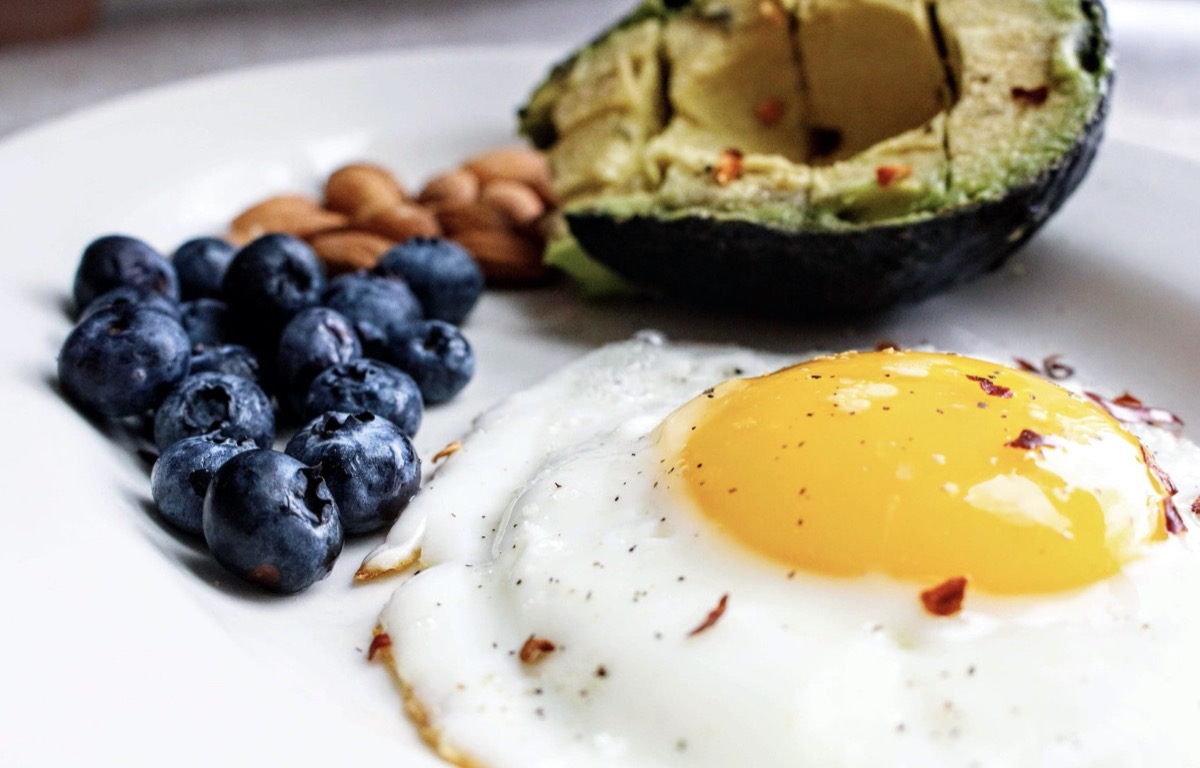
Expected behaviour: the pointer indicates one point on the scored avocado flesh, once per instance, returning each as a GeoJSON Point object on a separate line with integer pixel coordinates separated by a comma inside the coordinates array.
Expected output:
{"type": "Point", "coordinates": [843, 113]}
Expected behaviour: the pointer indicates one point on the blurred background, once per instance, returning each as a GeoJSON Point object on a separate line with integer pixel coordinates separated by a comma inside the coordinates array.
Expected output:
{"type": "Point", "coordinates": [60, 55]}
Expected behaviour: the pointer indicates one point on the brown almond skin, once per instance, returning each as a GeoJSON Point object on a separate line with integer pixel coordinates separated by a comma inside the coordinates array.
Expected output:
{"type": "Point", "coordinates": [360, 188]}
{"type": "Point", "coordinates": [472, 217]}
{"type": "Point", "coordinates": [451, 189]}
{"type": "Point", "coordinates": [400, 222]}
{"type": "Point", "coordinates": [291, 214]}
{"type": "Point", "coordinates": [505, 257]}
{"type": "Point", "coordinates": [517, 201]}
{"type": "Point", "coordinates": [515, 164]}
{"type": "Point", "coordinates": [348, 250]}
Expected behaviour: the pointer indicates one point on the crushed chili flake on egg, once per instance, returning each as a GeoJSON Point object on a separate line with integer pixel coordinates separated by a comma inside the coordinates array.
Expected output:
{"type": "Point", "coordinates": [945, 599]}
{"type": "Point", "coordinates": [1132, 410]}
{"type": "Point", "coordinates": [1171, 517]}
{"type": "Point", "coordinates": [1056, 369]}
{"type": "Point", "coordinates": [378, 643]}
{"type": "Point", "coordinates": [1028, 439]}
{"type": "Point", "coordinates": [713, 616]}
{"type": "Point", "coordinates": [990, 387]}
{"type": "Point", "coordinates": [535, 649]}
{"type": "Point", "coordinates": [1052, 367]}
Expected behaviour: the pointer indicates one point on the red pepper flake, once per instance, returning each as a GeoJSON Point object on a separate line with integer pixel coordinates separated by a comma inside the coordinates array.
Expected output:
{"type": "Point", "coordinates": [535, 649]}
{"type": "Point", "coordinates": [769, 111]}
{"type": "Point", "coordinates": [1031, 97]}
{"type": "Point", "coordinates": [945, 599]}
{"type": "Point", "coordinates": [1131, 410]}
{"type": "Point", "coordinates": [1128, 400]}
{"type": "Point", "coordinates": [1051, 368]}
{"type": "Point", "coordinates": [378, 643]}
{"type": "Point", "coordinates": [1171, 517]}
{"type": "Point", "coordinates": [1196, 506]}
{"type": "Point", "coordinates": [886, 175]}
{"type": "Point", "coordinates": [990, 387]}
{"type": "Point", "coordinates": [884, 345]}
{"type": "Point", "coordinates": [713, 616]}
{"type": "Point", "coordinates": [729, 167]}
{"type": "Point", "coordinates": [1028, 439]}
{"type": "Point", "coordinates": [1057, 370]}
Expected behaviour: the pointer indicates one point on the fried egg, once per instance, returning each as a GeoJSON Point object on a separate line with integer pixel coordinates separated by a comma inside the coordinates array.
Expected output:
{"type": "Point", "coordinates": [674, 555]}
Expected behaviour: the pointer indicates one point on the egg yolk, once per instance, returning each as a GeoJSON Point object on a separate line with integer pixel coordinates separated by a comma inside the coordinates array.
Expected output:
{"type": "Point", "coordinates": [923, 466]}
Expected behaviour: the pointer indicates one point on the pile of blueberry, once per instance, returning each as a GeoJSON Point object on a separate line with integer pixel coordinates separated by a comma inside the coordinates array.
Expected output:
{"type": "Point", "coordinates": [218, 345]}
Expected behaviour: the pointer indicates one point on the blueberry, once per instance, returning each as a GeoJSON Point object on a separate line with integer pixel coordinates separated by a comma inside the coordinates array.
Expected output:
{"type": "Point", "coordinates": [115, 260]}
{"type": "Point", "coordinates": [378, 307]}
{"type": "Point", "coordinates": [369, 465]}
{"type": "Point", "coordinates": [232, 359]}
{"type": "Point", "coordinates": [272, 521]}
{"type": "Point", "coordinates": [207, 322]}
{"type": "Point", "coordinates": [201, 264]}
{"type": "Point", "coordinates": [436, 355]}
{"type": "Point", "coordinates": [122, 362]}
{"type": "Point", "coordinates": [130, 297]}
{"type": "Point", "coordinates": [367, 385]}
{"type": "Point", "coordinates": [314, 340]}
{"type": "Point", "coordinates": [181, 475]}
{"type": "Point", "coordinates": [444, 277]}
{"type": "Point", "coordinates": [211, 402]}
{"type": "Point", "coordinates": [268, 282]}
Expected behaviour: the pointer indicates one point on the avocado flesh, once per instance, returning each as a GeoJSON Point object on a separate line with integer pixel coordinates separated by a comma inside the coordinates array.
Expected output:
{"type": "Point", "coordinates": [604, 109]}
{"type": "Point", "coordinates": [889, 114]}
{"type": "Point", "coordinates": [997, 139]}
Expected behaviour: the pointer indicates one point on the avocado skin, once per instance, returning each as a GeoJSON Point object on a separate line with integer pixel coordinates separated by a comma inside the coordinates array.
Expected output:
{"type": "Point", "coordinates": [763, 270]}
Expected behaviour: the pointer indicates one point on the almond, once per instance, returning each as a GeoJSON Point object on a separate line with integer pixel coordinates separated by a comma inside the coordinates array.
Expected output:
{"type": "Point", "coordinates": [349, 249]}
{"type": "Point", "coordinates": [515, 164]}
{"type": "Point", "coordinates": [506, 258]}
{"type": "Point", "coordinates": [401, 221]}
{"type": "Point", "coordinates": [358, 189]}
{"type": "Point", "coordinates": [451, 189]}
{"type": "Point", "coordinates": [517, 201]}
{"type": "Point", "coordinates": [470, 218]}
{"type": "Point", "coordinates": [292, 214]}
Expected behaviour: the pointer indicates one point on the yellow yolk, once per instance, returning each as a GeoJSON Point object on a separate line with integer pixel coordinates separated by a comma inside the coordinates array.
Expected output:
{"type": "Point", "coordinates": [923, 466]}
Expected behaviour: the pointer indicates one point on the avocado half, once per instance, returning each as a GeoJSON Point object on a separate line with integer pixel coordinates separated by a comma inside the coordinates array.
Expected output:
{"type": "Point", "coordinates": [815, 158]}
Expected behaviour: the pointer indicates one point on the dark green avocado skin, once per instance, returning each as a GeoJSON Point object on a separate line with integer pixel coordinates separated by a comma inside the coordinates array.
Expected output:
{"type": "Point", "coordinates": [759, 269]}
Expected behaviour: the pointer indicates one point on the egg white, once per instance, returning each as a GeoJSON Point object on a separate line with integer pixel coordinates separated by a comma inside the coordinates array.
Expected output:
{"type": "Point", "coordinates": [553, 521]}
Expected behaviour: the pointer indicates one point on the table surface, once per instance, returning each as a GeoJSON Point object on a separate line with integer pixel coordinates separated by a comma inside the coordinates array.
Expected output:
{"type": "Point", "coordinates": [1156, 103]}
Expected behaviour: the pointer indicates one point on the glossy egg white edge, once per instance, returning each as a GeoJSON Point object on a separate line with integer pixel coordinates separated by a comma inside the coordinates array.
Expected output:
{"type": "Point", "coordinates": [539, 527]}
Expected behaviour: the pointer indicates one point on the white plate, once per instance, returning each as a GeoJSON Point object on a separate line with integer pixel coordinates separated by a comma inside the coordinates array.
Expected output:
{"type": "Point", "coordinates": [123, 644]}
